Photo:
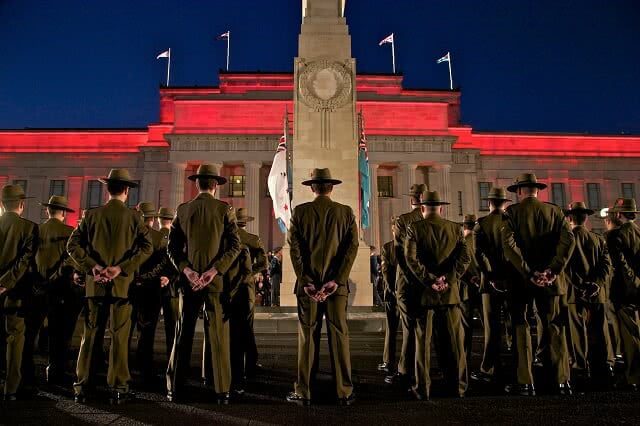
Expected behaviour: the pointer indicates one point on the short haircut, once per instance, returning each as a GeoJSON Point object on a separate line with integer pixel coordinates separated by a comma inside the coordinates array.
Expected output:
{"type": "Point", "coordinates": [468, 226]}
{"type": "Point", "coordinates": [529, 189]}
{"type": "Point", "coordinates": [53, 211]}
{"type": "Point", "coordinates": [11, 205]}
{"type": "Point", "coordinates": [614, 219]}
{"type": "Point", "coordinates": [498, 203]}
{"type": "Point", "coordinates": [578, 218]}
{"type": "Point", "coordinates": [206, 184]}
{"type": "Point", "coordinates": [116, 188]}
{"type": "Point", "coordinates": [322, 188]}
{"type": "Point", "coordinates": [415, 200]}
{"type": "Point", "coordinates": [163, 221]}
{"type": "Point", "coordinates": [629, 216]}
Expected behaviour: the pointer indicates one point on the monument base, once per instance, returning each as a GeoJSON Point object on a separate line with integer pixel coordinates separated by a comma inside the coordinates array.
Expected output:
{"type": "Point", "coordinates": [360, 288]}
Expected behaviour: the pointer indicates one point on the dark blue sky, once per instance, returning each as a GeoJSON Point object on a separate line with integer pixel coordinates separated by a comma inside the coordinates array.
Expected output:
{"type": "Point", "coordinates": [523, 65]}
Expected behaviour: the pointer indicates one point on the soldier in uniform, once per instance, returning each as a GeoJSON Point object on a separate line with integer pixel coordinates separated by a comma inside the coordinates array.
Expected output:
{"type": "Point", "coordinates": [147, 295]}
{"type": "Point", "coordinates": [389, 266]}
{"type": "Point", "coordinates": [407, 291]}
{"type": "Point", "coordinates": [437, 255]}
{"type": "Point", "coordinates": [496, 283]}
{"type": "Point", "coordinates": [109, 245]}
{"type": "Point", "coordinates": [170, 300]}
{"type": "Point", "coordinates": [624, 246]}
{"type": "Point", "coordinates": [244, 351]}
{"type": "Point", "coordinates": [203, 244]}
{"type": "Point", "coordinates": [587, 275]}
{"type": "Point", "coordinates": [19, 245]}
{"type": "Point", "coordinates": [324, 242]}
{"type": "Point", "coordinates": [538, 242]}
{"type": "Point", "coordinates": [470, 285]}
{"type": "Point", "coordinates": [56, 271]}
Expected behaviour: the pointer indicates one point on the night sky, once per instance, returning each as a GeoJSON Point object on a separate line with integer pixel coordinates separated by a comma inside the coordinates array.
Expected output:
{"type": "Point", "coordinates": [522, 65]}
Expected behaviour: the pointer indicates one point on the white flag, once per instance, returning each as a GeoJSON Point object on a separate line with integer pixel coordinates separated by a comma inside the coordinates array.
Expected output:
{"type": "Point", "coordinates": [164, 54]}
{"type": "Point", "coordinates": [278, 183]}
{"type": "Point", "coordinates": [223, 36]}
{"type": "Point", "coordinates": [387, 39]}
{"type": "Point", "coordinates": [445, 58]}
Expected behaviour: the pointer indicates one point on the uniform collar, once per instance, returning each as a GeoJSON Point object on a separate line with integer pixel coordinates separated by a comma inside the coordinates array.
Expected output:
{"type": "Point", "coordinates": [203, 195]}
{"type": "Point", "coordinates": [53, 219]}
{"type": "Point", "coordinates": [11, 214]}
{"type": "Point", "coordinates": [322, 199]}
{"type": "Point", "coordinates": [115, 201]}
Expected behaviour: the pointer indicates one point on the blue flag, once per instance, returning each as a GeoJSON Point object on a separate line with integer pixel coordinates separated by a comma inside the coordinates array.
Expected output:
{"type": "Point", "coordinates": [365, 184]}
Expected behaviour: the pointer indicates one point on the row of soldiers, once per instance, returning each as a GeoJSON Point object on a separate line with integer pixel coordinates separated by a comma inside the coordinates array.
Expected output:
{"type": "Point", "coordinates": [524, 260]}
{"type": "Point", "coordinates": [119, 270]}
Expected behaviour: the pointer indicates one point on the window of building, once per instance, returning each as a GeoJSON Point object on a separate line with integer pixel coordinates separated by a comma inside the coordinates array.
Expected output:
{"type": "Point", "coordinates": [460, 212]}
{"type": "Point", "coordinates": [134, 195]}
{"type": "Point", "coordinates": [56, 187]}
{"type": "Point", "coordinates": [483, 192]}
{"type": "Point", "coordinates": [22, 183]}
{"type": "Point", "coordinates": [94, 194]}
{"type": "Point", "coordinates": [236, 186]}
{"type": "Point", "coordinates": [558, 195]}
{"type": "Point", "coordinates": [385, 186]}
{"type": "Point", "coordinates": [593, 196]}
{"type": "Point", "coordinates": [628, 190]}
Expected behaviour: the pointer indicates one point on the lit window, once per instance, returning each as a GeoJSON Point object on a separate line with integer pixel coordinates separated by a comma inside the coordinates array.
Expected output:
{"type": "Point", "coordinates": [236, 186]}
{"type": "Point", "coordinates": [483, 191]}
{"type": "Point", "coordinates": [460, 213]}
{"type": "Point", "coordinates": [94, 194]}
{"type": "Point", "coordinates": [593, 196]}
{"type": "Point", "coordinates": [134, 195]}
{"type": "Point", "coordinates": [22, 183]}
{"type": "Point", "coordinates": [558, 196]}
{"type": "Point", "coordinates": [628, 191]}
{"type": "Point", "coordinates": [56, 187]}
{"type": "Point", "coordinates": [385, 186]}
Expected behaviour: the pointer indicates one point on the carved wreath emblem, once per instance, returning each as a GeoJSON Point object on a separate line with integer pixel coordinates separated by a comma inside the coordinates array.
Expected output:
{"type": "Point", "coordinates": [325, 85]}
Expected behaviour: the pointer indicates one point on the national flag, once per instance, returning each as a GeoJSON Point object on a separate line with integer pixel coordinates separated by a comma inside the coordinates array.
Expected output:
{"type": "Point", "coordinates": [365, 183]}
{"type": "Point", "coordinates": [445, 58]}
{"type": "Point", "coordinates": [387, 39]}
{"type": "Point", "coordinates": [278, 183]}
{"type": "Point", "coordinates": [224, 36]}
{"type": "Point", "coordinates": [164, 54]}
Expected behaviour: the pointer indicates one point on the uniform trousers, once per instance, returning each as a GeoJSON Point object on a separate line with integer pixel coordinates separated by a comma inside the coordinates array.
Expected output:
{"type": "Point", "coordinates": [629, 322]}
{"type": "Point", "coordinates": [589, 338]}
{"type": "Point", "coordinates": [390, 335]}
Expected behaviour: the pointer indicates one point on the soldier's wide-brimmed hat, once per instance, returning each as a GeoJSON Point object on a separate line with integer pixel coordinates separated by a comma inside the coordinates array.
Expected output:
{"type": "Point", "coordinates": [148, 210]}
{"type": "Point", "coordinates": [13, 193]}
{"type": "Point", "coordinates": [165, 213]}
{"type": "Point", "coordinates": [321, 176]}
{"type": "Point", "coordinates": [242, 216]}
{"type": "Point", "coordinates": [470, 219]}
{"type": "Point", "coordinates": [497, 193]}
{"type": "Point", "coordinates": [209, 171]}
{"type": "Point", "coordinates": [58, 202]}
{"type": "Point", "coordinates": [432, 198]}
{"type": "Point", "coordinates": [526, 180]}
{"type": "Point", "coordinates": [417, 190]}
{"type": "Point", "coordinates": [119, 176]}
{"type": "Point", "coordinates": [624, 205]}
{"type": "Point", "coordinates": [578, 207]}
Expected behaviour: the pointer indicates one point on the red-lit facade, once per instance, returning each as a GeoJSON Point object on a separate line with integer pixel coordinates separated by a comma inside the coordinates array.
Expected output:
{"type": "Point", "coordinates": [414, 136]}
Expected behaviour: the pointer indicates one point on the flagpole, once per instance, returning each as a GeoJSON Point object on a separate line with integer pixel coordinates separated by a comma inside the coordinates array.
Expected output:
{"type": "Point", "coordinates": [393, 53]}
{"type": "Point", "coordinates": [450, 75]}
{"type": "Point", "coordinates": [228, 46]}
{"type": "Point", "coordinates": [168, 67]}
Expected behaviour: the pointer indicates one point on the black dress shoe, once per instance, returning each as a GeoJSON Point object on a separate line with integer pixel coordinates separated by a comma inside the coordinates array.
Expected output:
{"type": "Point", "coordinates": [419, 396]}
{"type": "Point", "coordinates": [118, 398]}
{"type": "Point", "coordinates": [223, 398]}
{"type": "Point", "coordinates": [346, 402]}
{"type": "Point", "coordinates": [80, 398]}
{"type": "Point", "coordinates": [565, 389]}
{"type": "Point", "coordinates": [481, 376]}
{"type": "Point", "coordinates": [384, 366]}
{"type": "Point", "coordinates": [397, 379]}
{"type": "Point", "coordinates": [298, 399]}
{"type": "Point", "coordinates": [10, 397]}
{"type": "Point", "coordinates": [171, 396]}
{"type": "Point", "coordinates": [519, 389]}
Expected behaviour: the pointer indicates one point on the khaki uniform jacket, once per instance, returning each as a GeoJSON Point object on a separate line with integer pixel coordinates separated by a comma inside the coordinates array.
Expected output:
{"type": "Point", "coordinates": [323, 237]}
{"type": "Point", "coordinates": [256, 249]}
{"type": "Point", "coordinates": [537, 237]}
{"type": "Point", "coordinates": [435, 247]}
{"type": "Point", "coordinates": [204, 234]}
{"type": "Point", "coordinates": [111, 235]}
{"type": "Point", "coordinates": [624, 248]}
{"type": "Point", "coordinates": [169, 270]}
{"type": "Point", "coordinates": [489, 251]}
{"type": "Point", "coordinates": [389, 266]}
{"type": "Point", "coordinates": [153, 268]}
{"type": "Point", "coordinates": [467, 288]}
{"type": "Point", "coordinates": [402, 223]}
{"type": "Point", "coordinates": [590, 262]}
{"type": "Point", "coordinates": [19, 239]}
{"type": "Point", "coordinates": [52, 260]}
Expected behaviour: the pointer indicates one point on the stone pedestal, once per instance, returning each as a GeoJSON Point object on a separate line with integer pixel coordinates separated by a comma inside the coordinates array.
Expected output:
{"type": "Point", "coordinates": [325, 124]}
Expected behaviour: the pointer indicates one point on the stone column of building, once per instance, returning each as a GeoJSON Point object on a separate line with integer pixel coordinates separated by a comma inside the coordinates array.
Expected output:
{"type": "Point", "coordinates": [374, 211]}
{"type": "Point", "coordinates": [440, 180]}
{"type": "Point", "coordinates": [253, 193]}
{"type": "Point", "coordinates": [177, 184]}
{"type": "Point", "coordinates": [74, 195]}
{"type": "Point", "coordinates": [222, 188]}
{"type": "Point", "coordinates": [407, 178]}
